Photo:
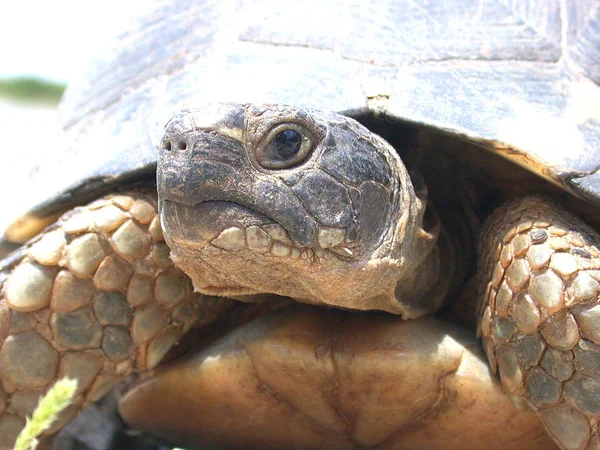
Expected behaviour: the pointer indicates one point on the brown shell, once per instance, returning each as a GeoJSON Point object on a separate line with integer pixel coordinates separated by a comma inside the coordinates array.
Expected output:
{"type": "Point", "coordinates": [519, 78]}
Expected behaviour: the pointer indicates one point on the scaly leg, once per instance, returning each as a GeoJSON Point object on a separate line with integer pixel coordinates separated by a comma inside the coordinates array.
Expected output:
{"type": "Point", "coordinates": [540, 315]}
{"type": "Point", "coordinates": [95, 297]}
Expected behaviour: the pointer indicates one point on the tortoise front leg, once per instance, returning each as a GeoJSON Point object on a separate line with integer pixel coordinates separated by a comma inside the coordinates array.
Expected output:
{"type": "Point", "coordinates": [540, 315]}
{"type": "Point", "coordinates": [95, 297]}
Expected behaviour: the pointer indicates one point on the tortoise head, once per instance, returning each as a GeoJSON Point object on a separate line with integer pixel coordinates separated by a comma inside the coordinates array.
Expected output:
{"type": "Point", "coordinates": [296, 202]}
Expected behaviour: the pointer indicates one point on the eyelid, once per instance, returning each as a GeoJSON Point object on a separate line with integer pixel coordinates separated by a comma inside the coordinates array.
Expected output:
{"type": "Point", "coordinates": [308, 142]}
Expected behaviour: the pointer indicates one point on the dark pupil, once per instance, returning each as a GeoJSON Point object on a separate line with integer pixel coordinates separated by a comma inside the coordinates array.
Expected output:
{"type": "Point", "coordinates": [286, 144]}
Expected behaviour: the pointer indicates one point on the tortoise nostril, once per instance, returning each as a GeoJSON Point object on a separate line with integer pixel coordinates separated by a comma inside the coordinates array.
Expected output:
{"type": "Point", "coordinates": [168, 145]}
{"type": "Point", "coordinates": [182, 146]}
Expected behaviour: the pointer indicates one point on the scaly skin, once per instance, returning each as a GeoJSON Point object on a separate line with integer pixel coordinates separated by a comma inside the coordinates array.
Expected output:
{"type": "Point", "coordinates": [540, 316]}
{"type": "Point", "coordinates": [96, 298]}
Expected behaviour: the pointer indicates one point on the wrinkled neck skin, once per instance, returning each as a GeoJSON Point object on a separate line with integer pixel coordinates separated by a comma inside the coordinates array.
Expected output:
{"type": "Point", "coordinates": [342, 226]}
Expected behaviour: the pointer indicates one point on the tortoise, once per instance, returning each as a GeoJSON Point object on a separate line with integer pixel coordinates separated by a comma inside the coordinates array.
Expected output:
{"type": "Point", "coordinates": [454, 173]}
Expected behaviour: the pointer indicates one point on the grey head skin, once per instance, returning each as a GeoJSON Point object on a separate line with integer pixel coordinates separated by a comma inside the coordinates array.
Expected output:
{"type": "Point", "coordinates": [301, 203]}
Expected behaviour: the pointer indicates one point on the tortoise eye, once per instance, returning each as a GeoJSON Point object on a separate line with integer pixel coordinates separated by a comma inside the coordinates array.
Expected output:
{"type": "Point", "coordinates": [285, 146]}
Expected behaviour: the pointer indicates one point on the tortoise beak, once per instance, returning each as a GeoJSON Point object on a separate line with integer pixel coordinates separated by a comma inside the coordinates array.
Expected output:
{"type": "Point", "coordinates": [203, 158]}
{"type": "Point", "coordinates": [224, 118]}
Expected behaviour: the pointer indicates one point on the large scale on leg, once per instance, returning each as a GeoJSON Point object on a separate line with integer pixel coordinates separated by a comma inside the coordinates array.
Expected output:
{"type": "Point", "coordinates": [95, 298]}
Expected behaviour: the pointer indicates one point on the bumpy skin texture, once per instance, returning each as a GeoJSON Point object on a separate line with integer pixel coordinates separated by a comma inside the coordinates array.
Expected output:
{"type": "Point", "coordinates": [97, 298]}
{"type": "Point", "coordinates": [540, 315]}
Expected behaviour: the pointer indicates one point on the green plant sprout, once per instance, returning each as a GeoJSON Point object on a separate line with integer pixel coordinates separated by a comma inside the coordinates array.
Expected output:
{"type": "Point", "coordinates": [57, 399]}
{"type": "Point", "coordinates": [31, 90]}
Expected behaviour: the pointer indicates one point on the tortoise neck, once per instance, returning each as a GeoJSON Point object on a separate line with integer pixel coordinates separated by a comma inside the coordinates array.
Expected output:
{"type": "Point", "coordinates": [431, 271]}
{"type": "Point", "coordinates": [436, 259]}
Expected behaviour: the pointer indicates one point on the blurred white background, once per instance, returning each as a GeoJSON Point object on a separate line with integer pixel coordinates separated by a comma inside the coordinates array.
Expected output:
{"type": "Point", "coordinates": [50, 40]}
{"type": "Point", "coordinates": [53, 39]}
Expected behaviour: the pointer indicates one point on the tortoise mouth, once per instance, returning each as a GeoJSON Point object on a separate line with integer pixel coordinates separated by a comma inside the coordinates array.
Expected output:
{"type": "Point", "coordinates": [220, 225]}
{"type": "Point", "coordinates": [225, 247]}
{"type": "Point", "coordinates": [205, 221]}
